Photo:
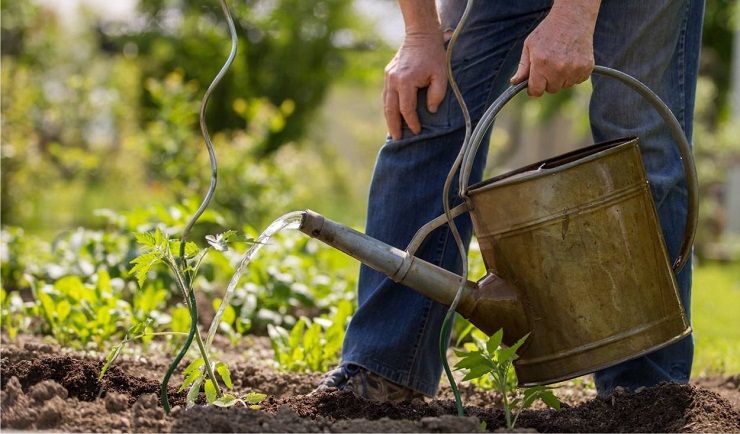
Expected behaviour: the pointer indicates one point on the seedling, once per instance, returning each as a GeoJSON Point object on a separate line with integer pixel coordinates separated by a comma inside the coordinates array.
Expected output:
{"type": "Point", "coordinates": [158, 249]}
{"type": "Point", "coordinates": [489, 358]}
{"type": "Point", "coordinates": [250, 400]}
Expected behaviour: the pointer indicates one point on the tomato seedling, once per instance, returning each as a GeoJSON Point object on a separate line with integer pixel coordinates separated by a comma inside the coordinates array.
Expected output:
{"type": "Point", "coordinates": [489, 358]}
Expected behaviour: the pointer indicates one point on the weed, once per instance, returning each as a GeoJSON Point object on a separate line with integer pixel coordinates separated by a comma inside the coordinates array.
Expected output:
{"type": "Point", "coordinates": [490, 359]}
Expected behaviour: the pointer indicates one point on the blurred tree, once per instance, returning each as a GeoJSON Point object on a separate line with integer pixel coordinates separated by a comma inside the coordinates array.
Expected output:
{"type": "Point", "coordinates": [720, 22]}
{"type": "Point", "coordinates": [290, 51]}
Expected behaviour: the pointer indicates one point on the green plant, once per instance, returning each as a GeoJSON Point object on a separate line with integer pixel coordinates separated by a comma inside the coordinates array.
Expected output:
{"type": "Point", "coordinates": [158, 248]}
{"type": "Point", "coordinates": [489, 358]}
{"type": "Point", "coordinates": [15, 314]}
{"type": "Point", "coordinates": [136, 331]}
{"type": "Point", "coordinates": [78, 313]}
{"type": "Point", "coordinates": [249, 400]}
{"type": "Point", "coordinates": [311, 346]}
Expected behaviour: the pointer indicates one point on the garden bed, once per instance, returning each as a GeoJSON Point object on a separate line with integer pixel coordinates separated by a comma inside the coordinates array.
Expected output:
{"type": "Point", "coordinates": [45, 387]}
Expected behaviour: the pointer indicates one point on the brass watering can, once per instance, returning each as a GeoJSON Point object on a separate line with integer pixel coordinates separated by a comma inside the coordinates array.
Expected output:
{"type": "Point", "coordinates": [573, 249]}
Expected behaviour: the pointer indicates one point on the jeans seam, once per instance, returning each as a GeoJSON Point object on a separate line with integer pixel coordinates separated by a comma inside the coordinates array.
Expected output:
{"type": "Point", "coordinates": [682, 66]}
{"type": "Point", "coordinates": [681, 112]}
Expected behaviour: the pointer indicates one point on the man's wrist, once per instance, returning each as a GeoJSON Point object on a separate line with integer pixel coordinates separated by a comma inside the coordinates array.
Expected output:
{"type": "Point", "coordinates": [585, 11]}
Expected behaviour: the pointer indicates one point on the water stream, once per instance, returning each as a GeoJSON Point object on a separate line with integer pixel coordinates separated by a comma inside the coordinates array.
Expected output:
{"type": "Point", "coordinates": [291, 220]}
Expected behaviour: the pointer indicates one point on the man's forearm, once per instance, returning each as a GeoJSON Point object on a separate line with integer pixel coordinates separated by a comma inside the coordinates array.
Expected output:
{"type": "Point", "coordinates": [586, 10]}
{"type": "Point", "coordinates": [420, 16]}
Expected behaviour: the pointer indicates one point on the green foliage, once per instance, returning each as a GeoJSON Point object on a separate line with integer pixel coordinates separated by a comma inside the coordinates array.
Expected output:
{"type": "Point", "coordinates": [490, 359]}
{"type": "Point", "coordinates": [78, 313]}
{"type": "Point", "coordinates": [133, 133]}
{"type": "Point", "coordinates": [290, 271]}
{"type": "Point", "coordinates": [290, 52]}
{"type": "Point", "coordinates": [715, 300]}
{"type": "Point", "coordinates": [716, 150]}
{"type": "Point", "coordinates": [311, 346]}
{"type": "Point", "coordinates": [15, 314]}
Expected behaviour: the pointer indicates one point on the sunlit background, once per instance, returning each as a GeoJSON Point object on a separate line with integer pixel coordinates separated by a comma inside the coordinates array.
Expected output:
{"type": "Point", "coordinates": [100, 139]}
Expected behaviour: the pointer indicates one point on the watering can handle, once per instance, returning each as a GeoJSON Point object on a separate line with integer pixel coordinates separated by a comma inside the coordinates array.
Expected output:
{"type": "Point", "coordinates": [683, 146]}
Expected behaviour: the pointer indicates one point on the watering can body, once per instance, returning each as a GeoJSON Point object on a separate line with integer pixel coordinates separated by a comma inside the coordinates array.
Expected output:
{"type": "Point", "coordinates": [587, 256]}
{"type": "Point", "coordinates": [574, 256]}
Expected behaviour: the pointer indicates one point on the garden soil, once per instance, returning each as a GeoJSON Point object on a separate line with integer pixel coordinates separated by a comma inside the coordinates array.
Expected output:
{"type": "Point", "coordinates": [45, 387]}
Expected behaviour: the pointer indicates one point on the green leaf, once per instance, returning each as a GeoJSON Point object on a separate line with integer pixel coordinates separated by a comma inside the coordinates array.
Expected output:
{"type": "Point", "coordinates": [190, 378]}
{"type": "Point", "coordinates": [312, 337]}
{"type": "Point", "coordinates": [194, 365]}
{"type": "Point", "coordinates": [476, 372]}
{"type": "Point", "coordinates": [146, 240]}
{"type": "Point", "coordinates": [226, 400]}
{"type": "Point", "coordinates": [63, 309]}
{"type": "Point", "coordinates": [509, 354]}
{"type": "Point", "coordinates": [47, 304]}
{"type": "Point", "coordinates": [109, 359]}
{"type": "Point", "coordinates": [191, 249]}
{"type": "Point", "coordinates": [531, 394]}
{"type": "Point", "coordinates": [104, 283]}
{"type": "Point", "coordinates": [550, 399]}
{"type": "Point", "coordinates": [296, 333]}
{"type": "Point", "coordinates": [243, 325]}
{"type": "Point", "coordinates": [210, 390]}
{"type": "Point", "coordinates": [143, 263]}
{"type": "Point", "coordinates": [473, 360]}
{"type": "Point", "coordinates": [494, 341]}
{"type": "Point", "coordinates": [253, 398]}
{"type": "Point", "coordinates": [193, 392]}
{"type": "Point", "coordinates": [466, 331]}
{"type": "Point", "coordinates": [137, 328]}
{"type": "Point", "coordinates": [533, 390]}
{"type": "Point", "coordinates": [460, 353]}
{"type": "Point", "coordinates": [223, 371]}
{"type": "Point", "coordinates": [160, 239]}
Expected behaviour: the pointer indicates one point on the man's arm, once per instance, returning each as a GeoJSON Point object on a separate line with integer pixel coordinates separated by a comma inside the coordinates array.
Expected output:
{"type": "Point", "coordinates": [559, 52]}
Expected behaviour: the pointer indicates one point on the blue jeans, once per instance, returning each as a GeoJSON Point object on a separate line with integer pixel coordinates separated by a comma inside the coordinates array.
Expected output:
{"type": "Point", "coordinates": [395, 330]}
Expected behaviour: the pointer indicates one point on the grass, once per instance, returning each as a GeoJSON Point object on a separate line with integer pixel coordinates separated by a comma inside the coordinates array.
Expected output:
{"type": "Point", "coordinates": [715, 307]}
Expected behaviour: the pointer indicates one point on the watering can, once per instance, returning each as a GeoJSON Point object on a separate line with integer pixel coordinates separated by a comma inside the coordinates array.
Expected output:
{"type": "Point", "coordinates": [573, 250]}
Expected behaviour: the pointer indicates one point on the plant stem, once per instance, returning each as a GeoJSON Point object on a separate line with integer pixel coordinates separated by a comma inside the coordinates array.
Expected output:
{"type": "Point", "coordinates": [505, 397]}
{"type": "Point", "coordinates": [198, 339]}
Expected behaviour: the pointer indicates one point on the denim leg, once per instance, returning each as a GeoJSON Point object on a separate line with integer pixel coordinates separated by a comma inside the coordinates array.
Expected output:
{"type": "Point", "coordinates": [658, 42]}
{"type": "Point", "coordinates": [395, 331]}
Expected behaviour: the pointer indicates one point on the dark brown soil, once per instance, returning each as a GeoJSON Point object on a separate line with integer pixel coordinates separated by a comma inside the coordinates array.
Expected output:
{"type": "Point", "coordinates": [44, 387]}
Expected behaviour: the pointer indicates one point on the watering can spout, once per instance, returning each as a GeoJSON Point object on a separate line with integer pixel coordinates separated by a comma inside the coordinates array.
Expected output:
{"type": "Point", "coordinates": [489, 304]}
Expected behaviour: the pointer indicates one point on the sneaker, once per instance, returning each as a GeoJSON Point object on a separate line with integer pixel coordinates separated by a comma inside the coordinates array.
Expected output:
{"type": "Point", "coordinates": [365, 384]}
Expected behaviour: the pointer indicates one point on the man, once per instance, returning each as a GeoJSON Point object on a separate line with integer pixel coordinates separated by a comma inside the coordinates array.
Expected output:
{"type": "Point", "coordinates": [390, 350]}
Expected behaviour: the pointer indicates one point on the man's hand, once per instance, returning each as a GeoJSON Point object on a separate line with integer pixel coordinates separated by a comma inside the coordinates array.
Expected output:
{"type": "Point", "coordinates": [419, 63]}
{"type": "Point", "coordinates": [559, 53]}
